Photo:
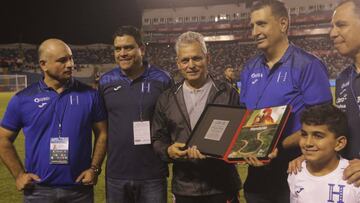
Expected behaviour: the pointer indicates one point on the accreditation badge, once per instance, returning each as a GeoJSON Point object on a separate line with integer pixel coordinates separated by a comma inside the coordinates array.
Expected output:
{"type": "Point", "coordinates": [59, 150]}
{"type": "Point", "coordinates": [141, 132]}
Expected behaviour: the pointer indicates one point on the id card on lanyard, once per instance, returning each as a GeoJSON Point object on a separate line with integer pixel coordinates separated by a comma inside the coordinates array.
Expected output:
{"type": "Point", "coordinates": [141, 132]}
{"type": "Point", "coordinates": [141, 128]}
{"type": "Point", "coordinates": [59, 145]}
{"type": "Point", "coordinates": [59, 150]}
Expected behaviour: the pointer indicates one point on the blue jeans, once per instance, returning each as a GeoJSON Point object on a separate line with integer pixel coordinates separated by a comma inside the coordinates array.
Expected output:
{"type": "Point", "coordinates": [44, 194]}
{"type": "Point", "coordinates": [136, 191]}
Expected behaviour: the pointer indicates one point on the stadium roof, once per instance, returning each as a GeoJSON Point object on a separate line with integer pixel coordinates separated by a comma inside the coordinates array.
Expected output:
{"type": "Point", "coordinates": [148, 4]}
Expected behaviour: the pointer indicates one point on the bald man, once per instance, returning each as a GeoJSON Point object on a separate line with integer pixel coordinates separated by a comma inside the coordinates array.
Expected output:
{"type": "Point", "coordinates": [57, 115]}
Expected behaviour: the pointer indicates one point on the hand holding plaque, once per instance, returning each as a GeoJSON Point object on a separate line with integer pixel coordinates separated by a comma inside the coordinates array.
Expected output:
{"type": "Point", "coordinates": [232, 133]}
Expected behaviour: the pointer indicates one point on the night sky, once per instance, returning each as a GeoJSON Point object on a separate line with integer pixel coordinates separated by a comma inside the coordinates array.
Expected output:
{"type": "Point", "coordinates": [74, 21]}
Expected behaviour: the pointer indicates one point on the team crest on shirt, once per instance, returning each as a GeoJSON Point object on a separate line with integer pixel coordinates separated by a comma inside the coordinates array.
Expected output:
{"type": "Point", "coordinates": [74, 100]}
{"type": "Point", "coordinates": [282, 76]}
{"type": "Point", "coordinates": [336, 192]}
{"type": "Point", "coordinates": [145, 87]}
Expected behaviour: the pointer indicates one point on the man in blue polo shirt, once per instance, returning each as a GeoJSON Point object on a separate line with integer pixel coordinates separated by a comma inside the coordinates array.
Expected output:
{"type": "Point", "coordinates": [281, 74]}
{"type": "Point", "coordinates": [344, 33]}
{"type": "Point", "coordinates": [56, 115]}
{"type": "Point", "coordinates": [130, 91]}
{"type": "Point", "coordinates": [345, 25]}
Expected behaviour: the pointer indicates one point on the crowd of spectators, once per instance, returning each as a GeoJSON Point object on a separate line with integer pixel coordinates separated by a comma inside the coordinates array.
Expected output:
{"type": "Point", "coordinates": [232, 53]}
{"type": "Point", "coordinates": [236, 53]}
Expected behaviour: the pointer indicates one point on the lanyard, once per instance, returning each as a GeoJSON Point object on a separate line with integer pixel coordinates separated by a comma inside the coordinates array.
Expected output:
{"type": "Point", "coordinates": [60, 115]}
{"type": "Point", "coordinates": [145, 87]}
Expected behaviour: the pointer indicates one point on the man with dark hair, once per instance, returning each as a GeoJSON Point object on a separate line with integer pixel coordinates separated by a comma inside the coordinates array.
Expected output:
{"type": "Point", "coordinates": [229, 74]}
{"type": "Point", "coordinates": [57, 115]}
{"type": "Point", "coordinates": [281, 74]}
{"type": "Point", "coordinates": [133, 172]}
{"type": "Point", "coordinates": [196, 179]}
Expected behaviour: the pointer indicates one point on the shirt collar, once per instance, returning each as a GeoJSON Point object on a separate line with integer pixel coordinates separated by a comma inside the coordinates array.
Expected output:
{"type": "Point", "coordinates": [69, 84]}
{"type": "Point", "coordinates": [354, 73]}
{"type": "Point", "coordinates": [143, 75]}
{"type": "Point", "coordinates": [206, 86]}
{"type": "Point", "coordinates": [284, 58]}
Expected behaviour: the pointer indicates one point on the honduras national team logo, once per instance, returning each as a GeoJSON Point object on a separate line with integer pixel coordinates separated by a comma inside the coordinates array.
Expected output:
{"type": "Point", "coordinates": [145, 87]}
{"type": "Point", "coordinates": [336, 193]}
{"type": "Point", "coordinates": [282, 76]}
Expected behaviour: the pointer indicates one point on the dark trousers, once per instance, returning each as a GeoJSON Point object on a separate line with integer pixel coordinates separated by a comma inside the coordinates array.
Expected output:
{"type": "Point", "coordinates": [218, 198]}
{"type": "Point", "coordinates": [267, 198]}
{"type": "Point", "coordinates": [44, 194]}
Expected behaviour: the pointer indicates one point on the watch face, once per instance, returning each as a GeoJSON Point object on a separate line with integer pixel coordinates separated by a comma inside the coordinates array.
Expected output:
{"type": "Point", "coordinates": [96, 170]}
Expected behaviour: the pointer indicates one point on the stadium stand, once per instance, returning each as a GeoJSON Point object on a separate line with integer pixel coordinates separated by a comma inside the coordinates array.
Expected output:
{"type": "Point", "coordinates": [228, 36]}
{"type": "Point", "coordinates": [233, 53]}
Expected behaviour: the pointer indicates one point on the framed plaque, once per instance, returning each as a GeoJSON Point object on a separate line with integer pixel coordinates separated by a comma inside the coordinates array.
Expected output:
{"type": "Point", "coordinates": [232, 133]}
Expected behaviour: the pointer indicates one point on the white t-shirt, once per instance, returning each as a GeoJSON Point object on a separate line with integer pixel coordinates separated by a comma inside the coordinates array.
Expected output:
{"type": "Point", "coordinates": [306, 188]}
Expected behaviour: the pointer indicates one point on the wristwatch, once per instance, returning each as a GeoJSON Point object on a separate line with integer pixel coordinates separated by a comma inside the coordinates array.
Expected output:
{"type": "Point", "coordinates": [97, 170]}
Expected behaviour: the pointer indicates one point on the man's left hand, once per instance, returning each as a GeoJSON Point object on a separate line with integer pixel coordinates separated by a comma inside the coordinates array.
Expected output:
{"type": "Point", "coordinates": [352, 172]}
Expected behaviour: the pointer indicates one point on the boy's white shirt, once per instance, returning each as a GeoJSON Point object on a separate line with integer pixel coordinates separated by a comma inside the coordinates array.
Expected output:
{"type": "Point", "coordinates": [306, 188]}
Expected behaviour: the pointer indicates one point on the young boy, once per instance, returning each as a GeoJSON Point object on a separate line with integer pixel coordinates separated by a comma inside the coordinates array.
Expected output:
{"type": "Point", "coordinates": [323, 135]}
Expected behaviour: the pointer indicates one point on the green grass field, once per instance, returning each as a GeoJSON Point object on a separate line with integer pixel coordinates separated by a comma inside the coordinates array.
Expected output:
{"type": "Point", "coordinates": [7, 183]}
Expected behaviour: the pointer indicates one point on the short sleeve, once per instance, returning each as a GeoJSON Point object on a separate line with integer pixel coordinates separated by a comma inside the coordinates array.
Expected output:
{"type": "Point", "coordinates": [315, 84]}
{"type": "Point", "coordinates": [98, 109]}
{"type": "Point", "coordinates": [12, 118]}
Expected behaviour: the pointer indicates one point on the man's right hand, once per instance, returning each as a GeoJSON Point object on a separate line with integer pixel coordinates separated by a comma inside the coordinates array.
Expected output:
{"type": "Point", "coordinates": [25, 180]}
{"type": "Point", "coordinates": [175, 150]}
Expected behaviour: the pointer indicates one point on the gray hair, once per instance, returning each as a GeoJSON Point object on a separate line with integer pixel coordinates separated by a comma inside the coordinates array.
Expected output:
{"type": "Point", "coordinates": [190, 37]}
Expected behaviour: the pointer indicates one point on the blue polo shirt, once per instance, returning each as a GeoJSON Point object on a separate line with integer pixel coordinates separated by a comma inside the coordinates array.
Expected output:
{"type": "Point", "coordinates": [124, 100]}
{"type": "Point", "coordinates": [299, 79]}
{"type": "Point", "coordinates": [347, 95]}
{"type": "Point", "coordinates": [38, 110]}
